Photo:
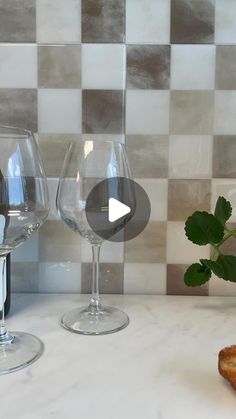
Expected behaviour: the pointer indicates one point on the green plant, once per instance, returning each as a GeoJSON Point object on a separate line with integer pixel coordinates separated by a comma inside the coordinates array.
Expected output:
{"type": "Point", "coordinates": [203, 228]}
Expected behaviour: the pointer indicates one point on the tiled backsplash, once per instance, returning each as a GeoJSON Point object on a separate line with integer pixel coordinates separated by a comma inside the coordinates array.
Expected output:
{"type": "Point", "coordinates": [158, 75]}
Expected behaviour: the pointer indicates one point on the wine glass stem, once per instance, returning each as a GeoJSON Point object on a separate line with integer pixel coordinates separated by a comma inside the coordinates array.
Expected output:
{"type": "Point", "coordinates": [4, 335]}
{"type": "Point", "coordinates": [95, 301]}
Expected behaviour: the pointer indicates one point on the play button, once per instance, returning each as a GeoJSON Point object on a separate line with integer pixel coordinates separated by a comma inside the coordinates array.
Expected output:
{"type": "Point", "coordinates": [117, 209]}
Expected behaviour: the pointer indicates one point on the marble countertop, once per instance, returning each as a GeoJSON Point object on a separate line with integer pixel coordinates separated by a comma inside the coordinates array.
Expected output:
{"type": "Point", "coordinates": [162, 366]}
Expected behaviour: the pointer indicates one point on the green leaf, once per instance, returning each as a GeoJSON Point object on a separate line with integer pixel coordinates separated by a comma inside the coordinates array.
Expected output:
{"type": "Point", "coordinates": [202, 228]}
{"type": "Point", "coordinates": [196, 275]}
{"type": "Point", "coordinates": [227, 263]}
{"type": "Point", "coordinates": [223, 210]}
{"type": "Point", "coordinates": [215, 267]}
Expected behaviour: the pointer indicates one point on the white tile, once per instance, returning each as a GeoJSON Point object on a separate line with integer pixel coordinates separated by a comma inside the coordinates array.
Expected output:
{"type": "Point", "coordinates": [58, 21]}
{"type": "Point", "coordinates": [148, 21]}
{"type": "Point", "coordinates": [147, 112]}
{"type": "Point", "coordinates": [110, 252]}
{"type": "Point", "coordinates": [179, 248]}
{"type": "Point", "coordinates": [225, 112]}
{"type": "Point", "coordinates": [185, 59]}
{"type": "Point", "coordinates": [225, 22]}
{"type": "Point", "coordinates": [28, 251]}
{"type": "Point", "coordinates": [103, 66]}
{"type": "Point", "coordinates": [226, 188]}
{"type": "Point", "coordinates": [190, 156]}
{"type": "Point", "coordinates": [145, 278]}
{"type": "Point", "coordinates": [59, 111]}
{"type": "Point", "coordinates": [59, 277]}
{"type": "Point", "coordinates": [52, 189]}
{"type": "Point", "coordinates": [219, 287]}
{"type": "Point", "coordinates": [157, 191]}
{"type": "Point", "coordinates": [18, 66]}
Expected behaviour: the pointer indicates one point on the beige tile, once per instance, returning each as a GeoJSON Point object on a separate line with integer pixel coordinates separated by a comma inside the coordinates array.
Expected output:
{"type": "Point", "coordinates": [53, 148]}
{"type": "Point", "coordinates": [187, 196]}
{"type": "Point", "coordinates": [219, 287]}
{"type": "Point", "coordinates": [18, 107]}
{"type": "Point", "coordinates": [226, 188]}
{"type": "Point", "coordinates": [225, 112]}
{"type": "Point", "coordinates": [191, 112]}
{"type": "Point", "coordinates": [157, 191]}
{"type": "Point", "coordinates": [175, 282]}
{"type": "Point", "coordinates": [148, 155]}
{"type": "Point", "coordinates": [102, 111]}
{"type": "Point", "coordinates": [179, 249]}
{"type": "Point", "coordinates": [103, 21]}
{"type": "Point", "coordinates": [148, 66]}
{"type": "Point", "coordinates": [59, 66]}
{"type": "Point", "coordinates": [225, 67]}
{"type": "Point", "coordinates": [145, 278]}
{"type": "Point", "coordinates": [18, 21]}
{"type": "Point", "coordinates": [57, 243]}
{"type": "Point", "coordinates": [59, 277]}
{"type": "Point", "coordinates": [110, 281]}
{"type": "Point", "coordinates": [224, 149]}
{"type": "Point", "coordinates": [192, 22]}
{"type": "Point", "coordinates": [24, 277]}
{"type": "Point", "coordinates": [190, 156]}
{"type": "Point", "coordinates": [149, 246]}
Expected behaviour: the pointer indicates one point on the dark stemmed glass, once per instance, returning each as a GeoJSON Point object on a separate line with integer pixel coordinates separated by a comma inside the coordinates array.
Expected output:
{"type": "Point", "coordinates": [24, 206]}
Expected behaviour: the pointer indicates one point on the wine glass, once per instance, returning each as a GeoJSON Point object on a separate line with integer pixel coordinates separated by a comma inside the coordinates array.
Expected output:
{"type": "Point", "coordinates": [86, 164]}
{"type": "Point", "coordinates": [24, 205]}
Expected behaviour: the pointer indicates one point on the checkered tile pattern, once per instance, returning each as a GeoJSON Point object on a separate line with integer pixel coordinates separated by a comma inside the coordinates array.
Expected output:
{"type": "Point", "coordinates": [158, 75]}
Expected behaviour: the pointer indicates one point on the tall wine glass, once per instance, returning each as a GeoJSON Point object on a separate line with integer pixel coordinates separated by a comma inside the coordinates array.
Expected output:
{"type": "Point", "coordinates": [86, 164]}
{"type": "Point", "coordinates": [24, 206]}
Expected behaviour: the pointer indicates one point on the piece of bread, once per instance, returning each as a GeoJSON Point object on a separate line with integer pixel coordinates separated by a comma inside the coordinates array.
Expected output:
{"type": "Point", "coordinates": [227, 364]}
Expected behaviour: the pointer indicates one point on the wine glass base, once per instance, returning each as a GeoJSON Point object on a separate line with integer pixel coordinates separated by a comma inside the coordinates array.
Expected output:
{"type": "Point", "coordinates": [105, 320]}
{"type": "Point", "coordinates": [21, 352]}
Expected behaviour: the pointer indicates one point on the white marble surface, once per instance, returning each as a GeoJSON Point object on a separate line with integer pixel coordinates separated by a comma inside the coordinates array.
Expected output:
{"type": "Point", "coordinates": [162, 366]}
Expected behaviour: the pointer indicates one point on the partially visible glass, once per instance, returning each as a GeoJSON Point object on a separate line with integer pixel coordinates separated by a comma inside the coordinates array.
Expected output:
{"type": "Point", "coordinates": [86, 164]}
{"type": "Point", "coordinates": [24, 206]}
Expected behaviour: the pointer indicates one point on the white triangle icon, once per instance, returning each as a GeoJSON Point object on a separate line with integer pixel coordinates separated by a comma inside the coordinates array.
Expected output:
{"type": "Point", "coordinates": [117, 210]}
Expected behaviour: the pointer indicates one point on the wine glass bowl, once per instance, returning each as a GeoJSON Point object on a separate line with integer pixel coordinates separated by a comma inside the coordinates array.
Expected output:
{"type": "Point", "coordinates": [24, 205]}
{"type": "Point", "coordinates": [86, 165]}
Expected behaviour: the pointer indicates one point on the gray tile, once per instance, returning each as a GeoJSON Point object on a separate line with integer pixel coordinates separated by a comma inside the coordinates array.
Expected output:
{"type": "Point", "coordinates": [224, 151]}
{"type": "Point", "coordinates": [192, 112]}
{"type": "Point", "coordinates": [187, 196]}
{"type": "Point", "coordinates": [59, 66]}
{"type": "Point", "coordinates": [149, 246]}
{"type": "Point", "coordinates": [103, 21]}
{"type": "Point", "coordinates": [148, 66]}
{"type": "Point", "coordinates": [24, 277]}
{"type": "Point", "coordinates": [111, 278]}
{"type": "Point", "coordinates": [102, 111]}
{"type": "Point", "coordinates": [57, 243]}
{"type": "Point", "coordinates": [175, 282]}
{"type": "Point", "coordinates": [192, 21]}
{"type": "Point", "coordinates": [148, 155]}
{"type": "Point", "coordinates": [17, 20]}
{"type": "Point", "coordinates": [53, 148]}
{"type": "Point", "coordinates": [226, 67]}
{"type": "Point", "coordinates": [18, 107]}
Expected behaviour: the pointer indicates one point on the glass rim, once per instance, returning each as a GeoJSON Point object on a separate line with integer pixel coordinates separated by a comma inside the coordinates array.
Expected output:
{"type": "Point", "coordinates": [17, 130]}
{"type": "Point", "coordinates": [96, 141]}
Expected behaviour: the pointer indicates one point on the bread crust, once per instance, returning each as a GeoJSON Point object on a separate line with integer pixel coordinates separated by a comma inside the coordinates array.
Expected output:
{"type": "Point", "coordinates": [227, 364]}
